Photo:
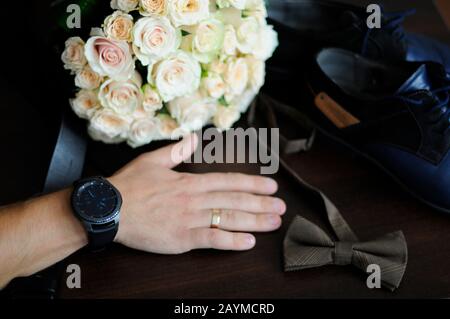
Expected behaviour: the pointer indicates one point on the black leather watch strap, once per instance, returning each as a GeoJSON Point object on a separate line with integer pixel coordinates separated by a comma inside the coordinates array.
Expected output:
{"type": "Point", "coordinates": [99, 241]}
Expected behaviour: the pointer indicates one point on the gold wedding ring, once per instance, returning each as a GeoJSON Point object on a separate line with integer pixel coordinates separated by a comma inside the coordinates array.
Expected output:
{"type": "Point", "coordinates": [215, 219]}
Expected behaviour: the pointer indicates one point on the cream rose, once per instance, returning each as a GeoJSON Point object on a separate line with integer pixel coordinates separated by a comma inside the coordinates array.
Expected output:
{"type": "Point", "coordinates": [247, 34]}
{"type": "Point", "coordinates": [73, 55]}
{"type": "Point", "coordinates": [124, 5]}
{"type": "Point", "coordinates": [85, 104]}
{"type": "Point", "coordinates": [225, 117]}
{"type": "Point", "coordinates": [208, 40]}
{"type": "Point", "coordinates": [108, 127]}
{"type": "Point", "coordinates": [243, 101]}
{"type": "Point", "coordinates": [152, 101]}
{"type": "Point", "coordinates": [266, 44]}
{"type": "Point", "coordinates": [143, 131]}
{"type": "Point", "coordinates": [187, 12]}
{"type": "Point", "coordinates": [123, 97]}
{"type": "Point", "coordinates": [154, 38]}
{"type": "Point", "coordinates": [217, 66]}
{"type": "Point", "coordinates": [152, 7]}
{"type": "Point", "coordinates": [214, 85]}
{"type": "Point", "coordinates": [110, 58]}
{"type": "Point", "coordinates": [118, 26]}
{"type": "Point", "coordinates": [257, 9]}
{"type": "Point", "coordinates": [257, 73]}
{"type": "Point", "coordinates": [230, 40]}
{"type": "Point", "coordinates": [177, 75]}
{"type": "Point", "coordinates": [88, 79]}
{"type": "Point", "coordinates": [169, 128]}
{"type": "Point", "coordinates": [192, 112]}
{"type": "Point", "coordinates": [238, 4]}
{"type": "Point", "coordinates": [236, 76]}
{"type": "Point", "coordinates": [140, 113]}
{"type": "Point", "coordinates": [230, 16]}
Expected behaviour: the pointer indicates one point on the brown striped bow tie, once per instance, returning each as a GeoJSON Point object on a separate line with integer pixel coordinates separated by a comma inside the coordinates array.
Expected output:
{"type": "Point", "coordinates": [308, 246]}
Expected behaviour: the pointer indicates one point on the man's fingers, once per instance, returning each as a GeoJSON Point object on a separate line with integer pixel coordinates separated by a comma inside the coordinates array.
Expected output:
{"type": "Point", "coordinates": [206, 238]}
{"type": "Point", "coordinates": [234, 182]}
{"type": "Point", "coordinates": [239, 201]}
{"type": "Point", "coordinates": [238, 221]}
{"type": "Point", "coordinates": [173, 155]}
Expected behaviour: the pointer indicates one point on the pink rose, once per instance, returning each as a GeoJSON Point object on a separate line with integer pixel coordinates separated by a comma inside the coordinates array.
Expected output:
{"type": "Point", "coordinates": [110, 58]}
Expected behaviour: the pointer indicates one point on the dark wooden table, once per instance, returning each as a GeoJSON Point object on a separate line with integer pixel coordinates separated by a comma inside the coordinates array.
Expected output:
{"type": "Point", "coordinates": [369, 200]}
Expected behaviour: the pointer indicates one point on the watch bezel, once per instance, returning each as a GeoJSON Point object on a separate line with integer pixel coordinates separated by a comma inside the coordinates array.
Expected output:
{"type": "Point", "coordinates": [96, 220]}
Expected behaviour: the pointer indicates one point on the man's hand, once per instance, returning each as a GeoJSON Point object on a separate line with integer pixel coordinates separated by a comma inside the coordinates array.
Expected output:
{"type": "Point", "coordinates": [170, 213]}
{"type": "Point", "coordinates": [163, 212]}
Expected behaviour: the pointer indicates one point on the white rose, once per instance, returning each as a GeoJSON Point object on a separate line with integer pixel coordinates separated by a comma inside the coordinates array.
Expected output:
{"type": "Point", "coordinates": [193, 111]}
{"type": "Point", "coordinates": [266, 44]}
{"type": "Point", "coordinates": [139, 113]}
{"type": "Point", "coordinates": [152, 101]}
{"type": "Point", "coordinates": [97, 32]}
{"type": "Point", "coordinates": [243, 101]}
{"type": "Point", "coordinates": [169, 128]}
{"type": "Point", "coordinates": [73, 55]}
{"type": "Point", "coordinates": [143, 131]}
{"type": "Point", "coordinates": [118, 26]}
{"type": "Point", "coordinates": [230, 40]}
{"type": "Point", "coordinates": [108, 127]}
{"type": "Point", "coordinates": [88, 79]}
{"type": "Point", "coordinates": [124, 5]}
{"type": "Point", "coordinates": [230, 16]}
{"type": "Point", "coordinates": [188, 12]}
{"type": "Point", "coordinates": [208, 39]}
{"type": "Point", "coordinates": [152, 7]}
{"type": "Point", "coordinates": [257, 73]}
{"type": "Point", "coordinates": [214, 85]}
{"type": "Point", "coordinates": [110, 58]}
{"type": "Point", "coordinates": [257, 9]}
{"type": "Point", "coordinates": [247, 34]}
{"type": "Point", "coordinates": [238, 4]}
{"type": "Point", "coordinates": [85, 104]}
{"type": "Point", "coordinates": [236, 76]}
{"type": "Point", "coordinates": [225, 117]}
{"type": "Point", "coordinates": [177, 75]}
{"type": "Point", "coordinates": [217, 66]}
{"type": "Point", "coordinates": [154, 38]}
{"type": "Point", "coordinates": [123, 97]}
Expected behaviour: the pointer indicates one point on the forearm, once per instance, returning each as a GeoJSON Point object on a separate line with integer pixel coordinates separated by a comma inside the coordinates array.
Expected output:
{"type": "Point", "coordinates": [36, 234]}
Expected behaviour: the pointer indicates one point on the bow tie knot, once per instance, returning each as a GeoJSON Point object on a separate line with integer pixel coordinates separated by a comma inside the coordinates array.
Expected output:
{"type": "Point", "coordinates": [308, 246]}
{"type": "Point", "coordinates": [343, 253]}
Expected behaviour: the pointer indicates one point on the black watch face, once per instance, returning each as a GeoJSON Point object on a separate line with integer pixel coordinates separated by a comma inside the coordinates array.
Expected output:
{"type": "Point", "coordinates": [96, 199]}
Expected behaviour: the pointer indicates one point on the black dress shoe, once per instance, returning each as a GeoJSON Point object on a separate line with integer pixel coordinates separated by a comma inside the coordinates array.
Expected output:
{"type": "Point", "coordinates": [307, 26]}
{"type": "Point", "coordinates": [398, 116]}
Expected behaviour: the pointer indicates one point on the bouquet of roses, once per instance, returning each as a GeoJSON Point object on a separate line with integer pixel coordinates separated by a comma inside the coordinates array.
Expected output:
{"type": "Point", "coordinates": [159, 69]}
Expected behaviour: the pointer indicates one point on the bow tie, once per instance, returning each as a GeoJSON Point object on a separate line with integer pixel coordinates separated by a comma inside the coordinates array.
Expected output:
{"type": "Point", "coordinates": [308, 246]}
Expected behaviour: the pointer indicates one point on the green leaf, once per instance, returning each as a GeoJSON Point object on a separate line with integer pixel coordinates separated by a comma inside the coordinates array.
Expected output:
{"type": "Point", "coordinates": [164, 110]}
{"type": "Point", "coordinates": [223, 101]}
{"type": "Point", "coordinates": [185, 33]}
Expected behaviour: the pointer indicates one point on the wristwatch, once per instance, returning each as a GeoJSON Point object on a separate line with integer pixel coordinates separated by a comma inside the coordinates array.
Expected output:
{"type": "Point", "coordinates": [97, 203]}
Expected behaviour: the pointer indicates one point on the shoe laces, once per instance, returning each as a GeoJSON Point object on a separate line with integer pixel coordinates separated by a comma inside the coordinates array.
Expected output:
{"type": "Point", "coordinates": [393, 25]}
{"type": "Point", "coordinates": [440, 105]}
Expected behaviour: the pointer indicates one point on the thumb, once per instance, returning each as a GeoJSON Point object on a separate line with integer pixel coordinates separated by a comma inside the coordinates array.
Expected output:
{"type": "Point", "coordinates": [175, 154]}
